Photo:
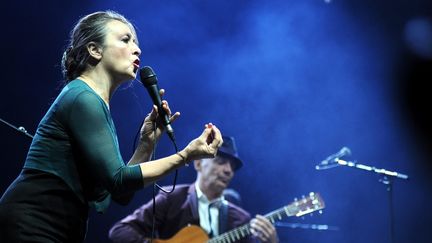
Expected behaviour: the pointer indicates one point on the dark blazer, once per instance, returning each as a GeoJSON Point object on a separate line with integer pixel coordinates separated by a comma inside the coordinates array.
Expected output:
{"type": "Point", "coordinates": [174, 211]}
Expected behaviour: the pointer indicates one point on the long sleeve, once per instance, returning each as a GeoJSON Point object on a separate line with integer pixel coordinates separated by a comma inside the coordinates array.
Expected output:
{"type": "Point", "coordinates": [76, 141]}
{"type": "Point", "coordinates": [93, 132]}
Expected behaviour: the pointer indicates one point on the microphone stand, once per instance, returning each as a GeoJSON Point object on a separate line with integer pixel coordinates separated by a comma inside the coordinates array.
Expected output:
{"type": "Point", "coordinates": [371, 168]}
{"type": "Point", "coordinates": [19, 129]}
{"type": "Point", "coordinates": [387, 180]}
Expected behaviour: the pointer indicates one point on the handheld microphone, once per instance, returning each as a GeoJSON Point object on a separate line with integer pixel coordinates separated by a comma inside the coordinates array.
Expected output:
{"type": "Point", "coordinates": [331, 161]}
{"type": "Point", "coordinates": [149, 80]}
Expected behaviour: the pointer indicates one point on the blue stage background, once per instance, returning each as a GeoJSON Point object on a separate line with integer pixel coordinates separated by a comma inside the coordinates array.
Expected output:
{"type": "Point", "coordinates": [292, 81]}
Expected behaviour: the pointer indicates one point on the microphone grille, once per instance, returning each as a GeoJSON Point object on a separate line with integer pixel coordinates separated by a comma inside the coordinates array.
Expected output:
{"type": "Point", "coordinates": [148, 77]}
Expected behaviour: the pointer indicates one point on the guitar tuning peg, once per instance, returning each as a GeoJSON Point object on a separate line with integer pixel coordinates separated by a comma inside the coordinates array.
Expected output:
{"type": "Point", "coordinates": [320, 212]}
{"type": "Point", "coordinates": [304, 199]}
{"type": "Point", "coordinates": [296, 203]}
{"type": "Point", "coordinates": [311, 194]}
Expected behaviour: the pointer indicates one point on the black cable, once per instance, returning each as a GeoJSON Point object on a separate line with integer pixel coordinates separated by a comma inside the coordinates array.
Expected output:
{"type": "Point", "coordinates": [155, 185]}
{"type": "Point", "coordinates": [154, 153]}
{"type": "Point", "coordinates": [154, 213]}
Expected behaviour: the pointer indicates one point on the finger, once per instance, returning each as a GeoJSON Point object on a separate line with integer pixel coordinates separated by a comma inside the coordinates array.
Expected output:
{"type": "Point", "coordinates": [153, 113]}
{"type": "Point", "coordinates": [166, 107]}
{"type": "Point", "coordinates": [263, 225]}
{"type": "Point", "coordinates": [206, 135]}
{"type": "Point", "coordinates": [265, 222]}
{"type": "Point", "coordinates": [174, 117]}
{"type": "Point", "coordinates": [266, 230]}
{"type": "Point", "coordinates": [217, 137]}
{"type": "Point", "coordinates": [261, 218]}
{"type": "Point", "coordinates": [206, 132]}
{"type": "Point", "coordinates": [253, 231]}
{"type": "Point", "coordinates": [259, 225]}
{"type": "Point", "coordinates": [209, 136]}
{"type": "Point", "coordinates": [262, 235]}
{"type": "Point", "coordinates": [257, 231]}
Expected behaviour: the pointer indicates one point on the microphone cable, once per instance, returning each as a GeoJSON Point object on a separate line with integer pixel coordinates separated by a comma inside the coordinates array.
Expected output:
{"type": "Point", "coordinates": [155, 185]}
{"type": "Point", "coordinates": [154, 155]}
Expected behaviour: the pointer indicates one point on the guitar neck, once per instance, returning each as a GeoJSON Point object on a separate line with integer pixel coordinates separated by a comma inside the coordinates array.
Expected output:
{"type": "Point", "coordinates": [244, 230]}
{"type": "Point", "coordinates": [297, 208]}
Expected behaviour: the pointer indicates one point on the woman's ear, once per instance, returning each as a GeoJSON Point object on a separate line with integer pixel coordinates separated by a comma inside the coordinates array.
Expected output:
{"type": "Point", "coordinates": [94, 50]}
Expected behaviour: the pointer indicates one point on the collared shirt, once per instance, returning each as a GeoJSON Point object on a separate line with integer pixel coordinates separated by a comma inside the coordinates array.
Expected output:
{"type": "Point", "coordinates": [210, 223]}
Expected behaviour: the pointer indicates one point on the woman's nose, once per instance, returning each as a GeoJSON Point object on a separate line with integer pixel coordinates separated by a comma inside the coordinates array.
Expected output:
{"type": "Point", "coordinates": [137, 50]}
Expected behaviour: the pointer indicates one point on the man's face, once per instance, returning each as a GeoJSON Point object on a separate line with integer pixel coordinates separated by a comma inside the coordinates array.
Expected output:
{"type": "Point", "coordinates": [216, 174]}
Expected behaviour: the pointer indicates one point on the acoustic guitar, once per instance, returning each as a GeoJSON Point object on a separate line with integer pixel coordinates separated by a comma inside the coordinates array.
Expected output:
{"type": "Point", "coordinates": [195, 234]}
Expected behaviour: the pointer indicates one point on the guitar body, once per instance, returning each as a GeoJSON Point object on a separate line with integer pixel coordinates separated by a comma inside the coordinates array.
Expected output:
{"type": "Point", "coordinates": [189, 234]}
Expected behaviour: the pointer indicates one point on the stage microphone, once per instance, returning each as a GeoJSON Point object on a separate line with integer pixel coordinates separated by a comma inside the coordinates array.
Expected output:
{"type": "Point", "coordinates": [149, 80]}
{"type": "Point", "coordinates": [332, 160]}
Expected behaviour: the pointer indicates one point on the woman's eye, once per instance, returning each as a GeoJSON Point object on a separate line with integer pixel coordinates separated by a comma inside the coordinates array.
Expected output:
{"type": "Point", "coordinates": [126, 39]}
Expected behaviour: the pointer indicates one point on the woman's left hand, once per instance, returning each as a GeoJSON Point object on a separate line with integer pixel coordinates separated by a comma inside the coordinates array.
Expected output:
{"type": "Point", "coordinates": [148, 134]}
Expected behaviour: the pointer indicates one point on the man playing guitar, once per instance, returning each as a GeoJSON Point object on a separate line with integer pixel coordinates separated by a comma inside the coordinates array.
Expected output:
{"type": "Point", "coordinates": [199, 204]}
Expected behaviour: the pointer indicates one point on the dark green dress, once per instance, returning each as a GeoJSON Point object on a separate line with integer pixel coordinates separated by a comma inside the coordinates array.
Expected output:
{"type": "Point", "coordinates": [73, 162]}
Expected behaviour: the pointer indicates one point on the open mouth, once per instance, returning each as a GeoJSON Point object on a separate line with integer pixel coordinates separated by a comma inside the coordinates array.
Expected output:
{"type": "Point", "coordinates": [136, 63]}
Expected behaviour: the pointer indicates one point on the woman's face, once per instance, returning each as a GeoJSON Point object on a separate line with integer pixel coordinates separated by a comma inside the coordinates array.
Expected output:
{"type": "Point", "coordinates": [120, 51]}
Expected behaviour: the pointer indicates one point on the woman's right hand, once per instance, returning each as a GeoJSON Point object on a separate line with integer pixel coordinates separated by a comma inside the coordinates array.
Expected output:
{"type": "Point", "coordinates": [205, 146]}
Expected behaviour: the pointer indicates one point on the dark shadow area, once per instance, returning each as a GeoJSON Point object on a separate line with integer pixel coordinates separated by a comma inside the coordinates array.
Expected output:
{"type": "Point", "coordinates": [414, 94]}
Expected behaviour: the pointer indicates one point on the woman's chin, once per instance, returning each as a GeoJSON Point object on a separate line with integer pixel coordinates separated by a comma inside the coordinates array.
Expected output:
{"type": "Point", "coordinates": [127, 77]}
